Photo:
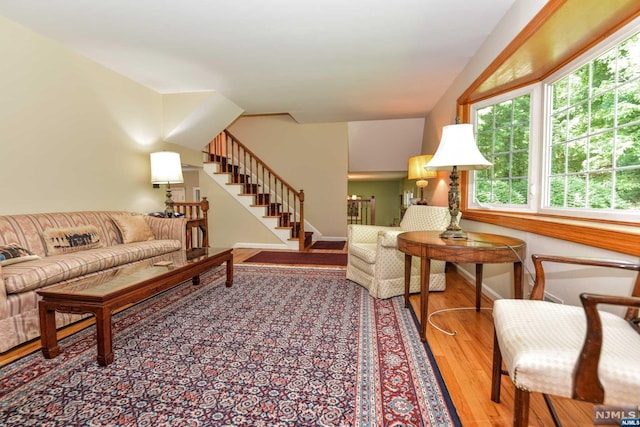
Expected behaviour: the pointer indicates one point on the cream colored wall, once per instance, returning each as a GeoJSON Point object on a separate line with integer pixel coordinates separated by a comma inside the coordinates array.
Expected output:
{"type": "Point", "coordinates": [312, 157]}
{"type": "Point", "coordinates": [73, 134]}
{"type": "Point", "coordinates": [498, 278]}
{"type": "Point", "coordinates": [230, 224]}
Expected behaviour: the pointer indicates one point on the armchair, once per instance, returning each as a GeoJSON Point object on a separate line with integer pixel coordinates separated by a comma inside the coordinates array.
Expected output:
{"type": "Point", "coordinates": [373, 259]}
{"type": "Point", "coordinates": [569, 351]}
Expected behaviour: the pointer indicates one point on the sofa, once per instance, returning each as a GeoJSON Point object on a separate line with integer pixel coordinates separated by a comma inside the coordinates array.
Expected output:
{"type": "Point", "coordinates": [374, 261]}
{"type": "Point", "coordinates": [42, 250]}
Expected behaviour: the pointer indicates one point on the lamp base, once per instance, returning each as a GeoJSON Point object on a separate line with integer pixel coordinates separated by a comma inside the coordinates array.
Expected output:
{"type": "Point", "coordinates": [422, 202]}
{"type": "Point", "coordinates": [454, 231]}
{"type": "Point", "coordinates": [453, 234]}
{"type": "Point", "coordinates": [168, 210]}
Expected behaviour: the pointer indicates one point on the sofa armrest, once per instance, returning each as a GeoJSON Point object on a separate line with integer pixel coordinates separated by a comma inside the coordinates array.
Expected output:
{"type": "Point", "coordinates": [168, 229]}
{"type": "Point", "coordinates": [359, 233]}
{"type": "Point", "coordinates": [4, 308]}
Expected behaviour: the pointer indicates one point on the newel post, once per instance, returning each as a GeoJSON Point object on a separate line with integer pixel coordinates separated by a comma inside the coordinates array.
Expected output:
{"type": "Point", "coordinates": [301, 237]}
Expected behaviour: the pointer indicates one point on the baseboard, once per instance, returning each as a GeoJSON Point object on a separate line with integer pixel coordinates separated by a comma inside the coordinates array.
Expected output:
{"type": "Point", "coordinates": [471, 280]}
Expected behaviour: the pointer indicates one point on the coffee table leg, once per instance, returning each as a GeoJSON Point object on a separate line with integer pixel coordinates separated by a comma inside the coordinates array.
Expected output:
{"type": "Point", "coordinates": [103, 329]}
{"type": "Point", "coordinates": [229, 281]}
{"type": "Point", "coordinates": [407, 279]}
{"type": "Point", "coordinates": [195, 280]}
{"type": "Point", "coordinates": [425, 274]}
{"type": "Point", "coordinates": [48, 336]}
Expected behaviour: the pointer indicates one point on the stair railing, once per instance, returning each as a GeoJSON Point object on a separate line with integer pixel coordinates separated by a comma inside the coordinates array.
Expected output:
{"type": "Point", "coordinates": [361, 211]}
{"type": "Point", "coordinates": [257, 178]}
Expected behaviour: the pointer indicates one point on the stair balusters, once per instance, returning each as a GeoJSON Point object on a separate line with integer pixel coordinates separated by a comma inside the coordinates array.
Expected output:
{"type": "Point", "coordinates": [279, 198]}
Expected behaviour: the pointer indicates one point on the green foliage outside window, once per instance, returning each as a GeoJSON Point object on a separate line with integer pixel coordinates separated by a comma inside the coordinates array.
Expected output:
{"type": "Point", "coordinates": [593, 142]}
{"type": "Point", "coordinates": [502, 133]}
{"type": "Point", "coordinates": [595, 133]}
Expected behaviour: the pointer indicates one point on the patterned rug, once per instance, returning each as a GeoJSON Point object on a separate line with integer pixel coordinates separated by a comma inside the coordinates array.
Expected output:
{"type": "Point", "coordinates": [281, 347]}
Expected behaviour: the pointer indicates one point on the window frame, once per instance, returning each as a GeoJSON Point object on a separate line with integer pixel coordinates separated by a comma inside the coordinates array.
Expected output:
{"type": "Point", "coordinates": [533, 43]}
{"type": "Point", "coordinates": [585, 58]}
{"type": "Point", "coordinates": [540, 131]}
{"type": "Point", "coordinates": [534, 91]}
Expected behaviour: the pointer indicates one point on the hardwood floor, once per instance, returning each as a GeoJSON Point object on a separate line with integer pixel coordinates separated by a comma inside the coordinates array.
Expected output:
{"type": "Point", "coordinates": [464, 359]}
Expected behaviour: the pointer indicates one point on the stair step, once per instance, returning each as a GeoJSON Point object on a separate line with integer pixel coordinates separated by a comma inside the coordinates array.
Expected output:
{"type": "Point", "coordinates": [273, 209]}
{"type": "Point", "coordinates": [285, 219]}
{"type": "Point", "coordinates": [250, 188]}
{"type": "Point", "coordinates": [240, 178]}
{"type": "Point", "coordinates": [262, 199]}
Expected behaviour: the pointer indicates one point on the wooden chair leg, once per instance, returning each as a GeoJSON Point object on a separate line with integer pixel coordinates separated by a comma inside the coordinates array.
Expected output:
{"type": "Point", "coordinates": [521, 408]}
{"type": "Point", "coordinates": [496, 371]}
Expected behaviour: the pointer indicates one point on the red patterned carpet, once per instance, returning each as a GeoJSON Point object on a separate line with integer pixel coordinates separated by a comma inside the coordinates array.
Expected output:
{"type": "Point", "coordinates": [281, 347]}
{"type": "Point", "coordinates": [298, 258]}
{"type": "Point", "coordinates": [329, 244]}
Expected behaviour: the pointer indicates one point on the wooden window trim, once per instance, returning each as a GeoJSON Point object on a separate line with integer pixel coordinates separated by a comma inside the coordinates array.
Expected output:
{"type": "Point", "coordinates": [559, 33]}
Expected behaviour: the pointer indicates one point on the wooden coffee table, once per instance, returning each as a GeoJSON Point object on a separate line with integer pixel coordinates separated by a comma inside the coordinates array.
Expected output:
{"type": "Point", "coordinates": [129, 285]}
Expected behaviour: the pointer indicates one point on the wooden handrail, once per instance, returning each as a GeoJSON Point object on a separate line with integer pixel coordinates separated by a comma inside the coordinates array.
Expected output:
{"type": "Point", "coordinates": [279, 197]}
{"type": "Point", "coordinates": [196, 214]}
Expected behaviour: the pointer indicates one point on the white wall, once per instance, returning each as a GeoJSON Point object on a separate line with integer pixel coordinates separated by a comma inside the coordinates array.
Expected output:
{"type": "Point", "coordinates": [311, 157]}
{"type": "Point", "coordinates": [384, 145]}
{"type": "Point", "coordinates": [73, 134]}
{"type": "Point", "coordinates": [498, 278]}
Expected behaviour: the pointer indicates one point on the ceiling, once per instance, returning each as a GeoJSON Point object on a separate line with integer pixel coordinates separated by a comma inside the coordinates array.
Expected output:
{"type": "Point", "coordinates": [319, 61]}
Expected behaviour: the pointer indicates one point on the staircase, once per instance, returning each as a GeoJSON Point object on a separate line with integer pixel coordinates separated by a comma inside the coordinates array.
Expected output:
{"type": "Point", "coordinates": [256, 186]}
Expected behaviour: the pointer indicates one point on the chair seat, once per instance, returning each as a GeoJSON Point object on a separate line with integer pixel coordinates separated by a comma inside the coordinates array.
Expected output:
{"type": "Point", "coordinates": [540, 342]}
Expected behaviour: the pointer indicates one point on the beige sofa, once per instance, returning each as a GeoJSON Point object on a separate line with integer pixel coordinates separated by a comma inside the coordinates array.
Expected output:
{"type": "Point", "coordinates": [375, 262]}
{"type": "Point", "coordinates": [41, 250]}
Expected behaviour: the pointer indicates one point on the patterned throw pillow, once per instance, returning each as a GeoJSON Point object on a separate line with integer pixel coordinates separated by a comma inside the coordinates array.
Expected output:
{"type": "Point", "coordinates": [12, 253]}
{"type": "Point", "coordinates": [134, 228]}
{"type": "Point", "coordinates": [72, 239]}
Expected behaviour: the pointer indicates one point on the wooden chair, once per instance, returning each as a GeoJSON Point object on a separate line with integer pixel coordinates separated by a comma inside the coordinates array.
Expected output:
{"type": "Point", "coordinates": [196, 215]}
{"type": "Point", "coordinates": [576, 352]}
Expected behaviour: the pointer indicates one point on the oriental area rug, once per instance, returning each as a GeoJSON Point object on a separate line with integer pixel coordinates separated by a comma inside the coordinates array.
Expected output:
{"type": "Point", "coordinates": [283, 346]}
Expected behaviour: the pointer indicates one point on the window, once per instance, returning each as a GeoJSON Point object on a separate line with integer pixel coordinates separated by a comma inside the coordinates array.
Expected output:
{"type": "Point", "coordinates": [594, 142]}
{"type": "Point", "coordinates": [503, 135]}
{"type": "Point", "coordinates": [587, 162]}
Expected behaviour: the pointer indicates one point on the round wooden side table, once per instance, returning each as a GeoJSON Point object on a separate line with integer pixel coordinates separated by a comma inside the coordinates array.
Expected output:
{"type": "Point", "coordinates": [478, 249]}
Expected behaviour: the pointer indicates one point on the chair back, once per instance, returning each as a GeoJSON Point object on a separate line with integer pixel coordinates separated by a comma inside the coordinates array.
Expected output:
{"type": "Point", "coordinates": [420, 217]}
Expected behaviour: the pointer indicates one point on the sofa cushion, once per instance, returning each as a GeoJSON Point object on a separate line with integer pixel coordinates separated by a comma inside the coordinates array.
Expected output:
{"type": "Point", "coordinates": [47, 271]}
{"type": "Point", "coordinates": [133, 228]}
{"type": "Point", "coordinates": [12, 254]}
{"type": "Point", "coordinates": [71, 239]}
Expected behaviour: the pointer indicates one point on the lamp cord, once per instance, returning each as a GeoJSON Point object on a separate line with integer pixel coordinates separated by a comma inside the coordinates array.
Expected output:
{"type": "Point", "coordinates": [453, 333]}
{"type": "Point", "coordinates": [451, 309]}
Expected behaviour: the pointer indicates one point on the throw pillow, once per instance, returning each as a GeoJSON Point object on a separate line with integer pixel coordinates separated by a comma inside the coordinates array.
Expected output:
{"type": "Point", "coordinates": [12, 253]}
{"type": "Point", "coordinates": [134, 228]}
{"type": "Point", "coordinates": [71, 239]}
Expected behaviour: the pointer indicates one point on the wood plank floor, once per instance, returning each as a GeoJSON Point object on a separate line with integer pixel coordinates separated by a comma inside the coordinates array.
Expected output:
{"type": "Point", "coordinates": [464, 358]}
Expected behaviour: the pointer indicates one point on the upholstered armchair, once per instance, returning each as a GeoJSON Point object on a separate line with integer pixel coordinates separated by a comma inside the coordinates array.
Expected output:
{"type": "Point", "coordinates": [570, 351]}
{"type": "Point", "coordinates": [375, 262]}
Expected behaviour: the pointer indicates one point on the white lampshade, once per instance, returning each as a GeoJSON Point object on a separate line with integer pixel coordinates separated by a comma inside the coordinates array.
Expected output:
{"type": "Point", "coordinates": [166, 168]}
{"type": "Point", "coordinates": [458, 148]}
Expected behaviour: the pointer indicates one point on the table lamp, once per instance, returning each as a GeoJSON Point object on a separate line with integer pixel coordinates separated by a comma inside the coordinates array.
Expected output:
{"type": "Point", "coordinates": [457, 151]}
{"type": "Point", "coordinates": [166, 168]}
{"type": "Point", "coordinates": [417, 171]}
